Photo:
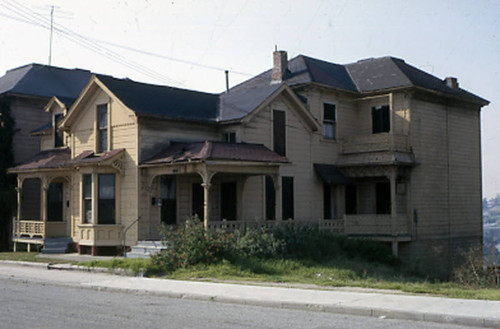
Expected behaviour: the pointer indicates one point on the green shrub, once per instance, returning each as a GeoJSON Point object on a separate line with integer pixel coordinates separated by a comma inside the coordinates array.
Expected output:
{"type": "Point", "coordinates": [191, 244]}
{"type": "Point", "coordinates": [260, 243]}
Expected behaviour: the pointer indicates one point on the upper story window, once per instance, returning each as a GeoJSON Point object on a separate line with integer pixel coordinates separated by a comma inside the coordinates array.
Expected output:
{"type": "Point", "coordinates": [329, 120]}
{"type": "Point", "coordinates": [58, 135]}
{"type": "Point", "coordinates": [102, 128]}
{"type": "Point", "coordinates": [279, 132]}
{"type": "Point", "coordinates": [381, 122]}
{"type": "Point", "coordinates": [229, 137]}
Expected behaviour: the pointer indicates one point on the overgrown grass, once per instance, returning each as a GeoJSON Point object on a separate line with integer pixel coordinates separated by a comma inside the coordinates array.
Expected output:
{"type": "Point", "coordinates": [29, 257]}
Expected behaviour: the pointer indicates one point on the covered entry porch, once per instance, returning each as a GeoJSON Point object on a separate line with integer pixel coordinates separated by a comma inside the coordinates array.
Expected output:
{"type": "Point", "coordinates": [207, 180]}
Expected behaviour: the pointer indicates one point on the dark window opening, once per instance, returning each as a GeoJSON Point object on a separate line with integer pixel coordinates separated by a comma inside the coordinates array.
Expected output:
{"type": "Point", "coordinates": [287, 197]}
{"type": "Point", "coordinates": [329, 121]}
{"type": "Point", "coordinates": [197, 201]}
{"type": "Point", "coordinates": [228, 200]}
{"type": "Point", "coordinates": [55, 202]}
{"type": "Point", "coordinates": [106, 210]}
{"type": "Point", "coordinates": [87, 198]}
{"type": "Point", "coordinates": [58, 135]}
{"type": "Point", "coordinates": [270, 199]}
{"type": "Point", "coordinates": [168, 200]}
{"type": "Point", "coordinates": [328, 202]}
{"type": "Point", "coordinates": [279, 132]}
{"type": "Point", "coordinates": [381, 121]}
{"type": "Point", "coordinates": [383, 198]}
{"type": "Point", "coordinates": [102, 126]}
{"type": "Point", "coordinates": [229, 137]}
{"type": "Point", "coordinates": [351, 200]}
{"type": "Point", "coordinates": [31, 199]}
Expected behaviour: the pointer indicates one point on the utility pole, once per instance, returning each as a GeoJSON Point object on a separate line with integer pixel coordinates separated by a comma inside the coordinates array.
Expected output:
{"type": "Point", "coordinates": [51, 32]}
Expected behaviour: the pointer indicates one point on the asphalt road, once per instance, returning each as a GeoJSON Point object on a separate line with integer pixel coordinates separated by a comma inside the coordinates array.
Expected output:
{"type": "Point", "coordinates": [28, 304]}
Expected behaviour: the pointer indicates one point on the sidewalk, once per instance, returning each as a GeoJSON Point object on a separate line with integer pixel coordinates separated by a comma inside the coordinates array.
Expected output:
{"type": "Point", "coordinates": [377, 304]}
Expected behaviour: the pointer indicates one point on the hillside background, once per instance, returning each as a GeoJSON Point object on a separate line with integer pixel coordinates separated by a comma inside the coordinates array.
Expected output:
{"type": "Point", "coordinates": [491, 228]}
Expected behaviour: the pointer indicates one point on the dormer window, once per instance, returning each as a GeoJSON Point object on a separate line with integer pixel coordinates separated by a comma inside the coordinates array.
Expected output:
{"type": "Point", "coordinates": [229, 137]}
{"type": "Point", "coordinates": [58, 135]}
{"type": "Point", "coordinates": [102, 128]}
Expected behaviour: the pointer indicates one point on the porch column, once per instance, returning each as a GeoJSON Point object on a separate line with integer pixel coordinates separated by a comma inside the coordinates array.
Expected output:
{"type": "Point", "coordinates": [394, 211]}
{"type": "Point", "coordinates": [392, 121]}
{"type": "Point", "coordinates": [277, 190]}
{"type": "Point", "coordinates": [19, 190]}
{"type": "Point", "coordinates": [206, 195]}
{"type": "Point", "coordinates": [43, 205]}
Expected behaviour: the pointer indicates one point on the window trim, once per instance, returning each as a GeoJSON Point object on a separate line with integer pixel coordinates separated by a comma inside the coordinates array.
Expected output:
{"type": "Point", "coordinates": [95, 196]}
{"type": "Point", "coordinates": [98, 130]}
{"type": "Point", "coordinates": [330, 122]}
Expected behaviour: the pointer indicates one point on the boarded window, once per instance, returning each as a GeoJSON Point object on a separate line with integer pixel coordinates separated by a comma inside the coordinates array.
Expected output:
{"type": "Point", "coordinates": [102, 126]}
{"type": "Point", "coordinates": [329, 121]}
{"type": "Point", "coordinates": [197, 201]}
{"type": "Point", "coordinates": [106, 206]}
{"type": "Point", "coordinates": [351, 200]}
{"type": "Point", "coordinates": [58, 135]}
{"type": "Point", "coordinates": [87, 198]}
{"type": "Point", "coordinates": [279, 132]}
{"type": "Point", "coordinates": [383, 197]}
{"type": "Point", "coordinates": [287, 197]}
{"type": "Point", "coordinates": [55, 202]}
{"type": "Point", "coordinates": [228, 200]}
{"type": "Point", "coordinates": [168, 200]}
{"type": "Point", "coordinates": [31, 199]}
{"type": "Point", "coordinates": [380, 119]}
{"type": "Point", "coordinates": [270, 199]}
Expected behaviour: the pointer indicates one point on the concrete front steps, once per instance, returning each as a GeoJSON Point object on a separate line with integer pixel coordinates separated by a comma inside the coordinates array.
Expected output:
{"type": "Point", "coordinates": [56, 245]}
{"type": "Point", "coordinates": [144, 249]}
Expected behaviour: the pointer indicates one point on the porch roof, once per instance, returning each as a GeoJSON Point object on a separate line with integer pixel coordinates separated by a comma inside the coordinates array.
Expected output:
{"type": "Point", "coordinates": [330, 174]}
{"type": "Point", "coordinates": [90, 158]}
{"type": "Point", "coordinates": [207, 150]}
{"type": "Point", "coordinates": [50, 159]}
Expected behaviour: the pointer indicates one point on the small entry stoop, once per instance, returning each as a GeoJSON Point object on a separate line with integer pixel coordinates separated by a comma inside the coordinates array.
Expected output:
{"type": "Point", "coordinates": [56, 245]}
{"type": "Point", "coordinates": [144, 249]}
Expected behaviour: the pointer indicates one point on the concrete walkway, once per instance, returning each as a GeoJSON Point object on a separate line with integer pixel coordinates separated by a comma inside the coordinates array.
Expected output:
{"type": "Point", "coordinates": [476, 313]}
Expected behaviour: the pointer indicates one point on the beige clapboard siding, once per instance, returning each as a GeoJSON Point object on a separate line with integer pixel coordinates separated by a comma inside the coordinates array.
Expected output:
{"type": "Point", "coordinates": [28, 115]}
{"type": "Point", "coordinates": [46, 142]}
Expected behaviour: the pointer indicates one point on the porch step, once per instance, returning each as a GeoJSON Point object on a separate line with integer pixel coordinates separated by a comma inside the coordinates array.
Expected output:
{"type": "Point", "coordinates": [144, 249]}
{"type": "Point", "coordinates": [56, 245]}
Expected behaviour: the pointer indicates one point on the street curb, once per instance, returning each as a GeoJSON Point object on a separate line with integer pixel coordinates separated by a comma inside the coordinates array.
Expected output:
{"type": "Point", "coordinates": [291, 305]}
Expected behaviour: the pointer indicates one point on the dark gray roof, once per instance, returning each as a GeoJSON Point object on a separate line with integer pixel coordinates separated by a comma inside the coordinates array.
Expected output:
{"type": "Point", "coordinates": [45, 81]}
{"type": "Point", "coordinates": [42, 128]}
{"type": "Point", "coordinates": [147, 99]}
{"type": "Point", "coordinates": [365, 76]}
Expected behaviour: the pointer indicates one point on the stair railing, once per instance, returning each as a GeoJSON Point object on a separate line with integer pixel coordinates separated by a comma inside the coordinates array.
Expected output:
{"type": "Point", "coordinates": [124, 246]}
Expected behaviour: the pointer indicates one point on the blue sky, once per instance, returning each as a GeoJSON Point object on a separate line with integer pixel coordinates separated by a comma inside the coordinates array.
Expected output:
{"type": "Point", "coordinates": [189, 43]}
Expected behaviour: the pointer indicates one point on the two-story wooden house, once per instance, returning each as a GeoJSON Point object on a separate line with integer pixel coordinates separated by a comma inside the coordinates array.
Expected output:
{"type": "Point", "coordinates": [376, 149]}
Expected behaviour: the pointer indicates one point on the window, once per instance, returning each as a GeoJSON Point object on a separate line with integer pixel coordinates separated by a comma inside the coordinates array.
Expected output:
{"type": "Point", "coordinates": [287, 197]}
{"type": "Point", "coordinates": [31, 199]}
{"type": "Point", "coordinates": [168, 200]}
{"type": "Point", "coordinates": [87, 198]}
{"type": "Point", "coordinates": [228, 200]}
{"type": "Point", "coordinates": [229, 137]}
{"type": "Point", "coordinates": [383, 198]}
{"type": "Point", "coordinates": [381, 122]}
{"type": "Point", "coordinates": [55, 202]}
{"type": "Point", "coordinates": [351, 200]}
{"type": "Point", "coordinates": [102, 127]}
{"type": "Point", "coordinates": [279, 132]}
{"type": "Point", "coordinates": [329, 121]}
{"type": "Point", "coordinates": [328, 201]}
{"type": "Point", "coordinates": [270, 199]}
{"type": "Point", "coordinates": [58, 135]}
{"type": "Point", "coordinates": [106, 205]}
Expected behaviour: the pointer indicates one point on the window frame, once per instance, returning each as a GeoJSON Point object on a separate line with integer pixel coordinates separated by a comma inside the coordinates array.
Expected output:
{"type": "Point", "coordinates": [328, 122]}
{"type": "Point", "coordinates": [99, 130]}
{"type": "Point", "coordinates": [384, 126]}
{"type": "Point", "coordinates": [94, 198]}
{"type": "Point", "coordinates": [58, 136]}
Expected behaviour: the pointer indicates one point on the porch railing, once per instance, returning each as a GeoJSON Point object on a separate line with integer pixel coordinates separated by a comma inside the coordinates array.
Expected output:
{"type": "Point", "coordinates": [334, 225]}
{"type": "Point", "coordinates": [375, 143]}
{"type": "Point", "coordinates": [376, 225]}
{"type": "Point", "coordinates": [28, 228]}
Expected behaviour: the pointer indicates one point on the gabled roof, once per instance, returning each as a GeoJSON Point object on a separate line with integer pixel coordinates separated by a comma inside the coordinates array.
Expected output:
{"type": "Point", "coordinates": [202, 151]}
{"type": "Point", "coordinates": [147, 99]}
{"type": "Point", "coordinates": [45, 81]}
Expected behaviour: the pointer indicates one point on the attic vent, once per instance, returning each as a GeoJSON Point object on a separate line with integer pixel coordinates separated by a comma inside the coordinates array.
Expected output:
{"type": "Point", "coordinates": [451, 82]}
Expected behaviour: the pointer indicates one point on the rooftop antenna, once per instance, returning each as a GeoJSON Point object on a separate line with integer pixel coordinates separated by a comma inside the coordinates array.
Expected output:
{"type": "Point", "coordinates": [51, 32]}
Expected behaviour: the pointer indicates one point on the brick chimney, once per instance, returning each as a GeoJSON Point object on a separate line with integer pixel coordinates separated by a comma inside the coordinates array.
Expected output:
{"type": "Point", "coordinates": [451, 82]}
{"type": "Point", "coordinates": [280, 65]}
